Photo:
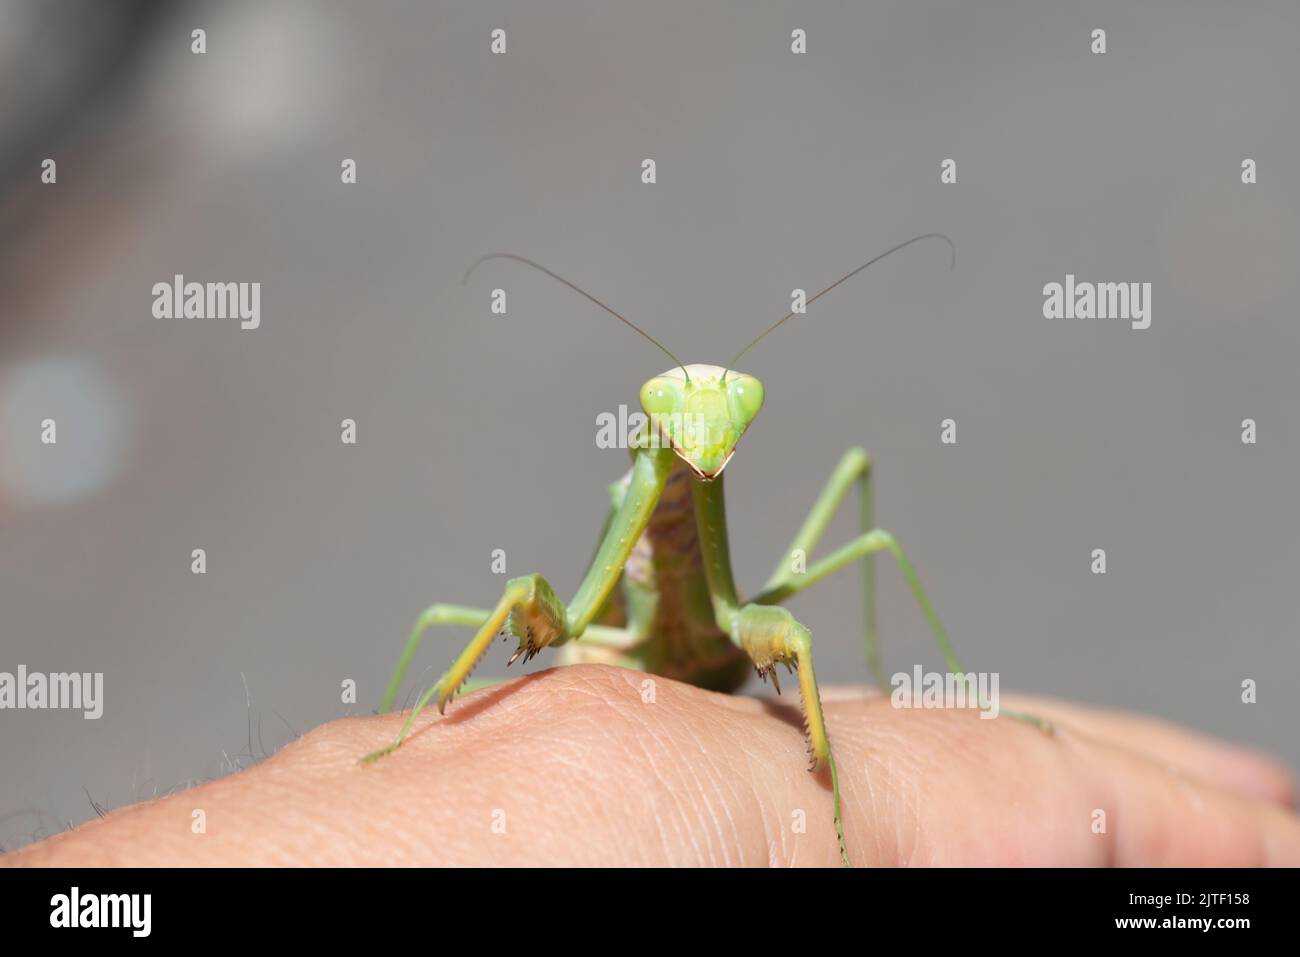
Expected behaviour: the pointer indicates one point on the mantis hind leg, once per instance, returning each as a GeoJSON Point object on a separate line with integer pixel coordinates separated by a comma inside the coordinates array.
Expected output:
{"type": "Point", "coordinates": [853, 469]}
{"type": "Point", "coordinates": [786, 581]}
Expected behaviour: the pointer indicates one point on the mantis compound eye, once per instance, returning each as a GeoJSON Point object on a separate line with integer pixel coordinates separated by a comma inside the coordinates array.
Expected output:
{"type": "Point", "coordinates": [744, 398]}
{"type": "Point", "coordinates": [661, 396]}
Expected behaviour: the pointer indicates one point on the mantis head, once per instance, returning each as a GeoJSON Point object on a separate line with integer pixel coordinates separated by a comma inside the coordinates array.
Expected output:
{"type": "Point", "coordinates": [701, 411]}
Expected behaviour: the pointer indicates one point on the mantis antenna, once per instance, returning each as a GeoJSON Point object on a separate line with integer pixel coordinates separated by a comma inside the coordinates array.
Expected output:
{"type": "Point", "coordinates": [887, 252]}
{"type": "Point", "coordinates": [582, 292]}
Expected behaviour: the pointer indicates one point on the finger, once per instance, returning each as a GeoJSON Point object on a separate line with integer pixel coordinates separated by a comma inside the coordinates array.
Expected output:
{"type": "Point", "coordinates": [1164, 818]}
{"type": "Point", "coordinates": [943, 787]}
{"type": "Point", "coordinates": [1229, 766]}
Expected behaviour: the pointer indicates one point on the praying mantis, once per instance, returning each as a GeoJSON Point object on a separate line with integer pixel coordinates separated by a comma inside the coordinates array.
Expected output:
{"type": "Point", "coordinates": [680, 613]}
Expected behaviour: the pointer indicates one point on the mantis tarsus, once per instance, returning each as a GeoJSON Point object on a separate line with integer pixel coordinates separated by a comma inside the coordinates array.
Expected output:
{"type": "Point", "coordinates": [680, 614]}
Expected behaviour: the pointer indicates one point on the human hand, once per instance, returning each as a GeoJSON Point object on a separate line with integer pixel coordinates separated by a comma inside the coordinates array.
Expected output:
{"type": "Point", "coordinates": [572, 767]}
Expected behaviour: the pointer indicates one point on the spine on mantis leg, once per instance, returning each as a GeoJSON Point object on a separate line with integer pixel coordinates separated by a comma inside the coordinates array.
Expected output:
{"type": "Point", "coordinates": [530, 610]}
{"type": "Point", "coordinates": [769, 635]}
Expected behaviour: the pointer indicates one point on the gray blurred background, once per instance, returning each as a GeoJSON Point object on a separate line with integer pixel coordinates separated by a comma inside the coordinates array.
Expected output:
{"type": "Point", "coordinates": [477, 432]}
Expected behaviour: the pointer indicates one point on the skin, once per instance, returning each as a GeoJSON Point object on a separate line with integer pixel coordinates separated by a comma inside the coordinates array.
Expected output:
{"type": "Point", "coordinates": [588, 773]}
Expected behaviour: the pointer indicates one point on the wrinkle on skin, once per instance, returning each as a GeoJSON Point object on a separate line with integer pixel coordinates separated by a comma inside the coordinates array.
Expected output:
{"type": "Point", "coordinates": [779, 851]}
{"type": "Point", "coordinates": [588, 774]}
{"type": "Point", "coordinates": [689, 818]}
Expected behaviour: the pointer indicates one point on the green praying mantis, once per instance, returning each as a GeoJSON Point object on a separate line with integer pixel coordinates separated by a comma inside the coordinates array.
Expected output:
{"type": "Point", "coordinates": [680, 613]}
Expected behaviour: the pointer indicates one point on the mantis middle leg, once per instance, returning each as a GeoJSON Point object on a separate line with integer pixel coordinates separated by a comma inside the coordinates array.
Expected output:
{"type": "Point", "coordinates": [786, 582]}
{"type": "Point", "coordinates": [853, 469]}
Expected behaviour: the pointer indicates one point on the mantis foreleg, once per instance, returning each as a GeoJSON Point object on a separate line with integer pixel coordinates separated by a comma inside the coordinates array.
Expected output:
{"type": "Point", "coordinates": [443, 614]}
{"type": "Point", "coordinates": [433, 615]}
{"type": "Point", "coordinates": [770, 636]}
{"type": "Point", "coordinates": [529, 608]}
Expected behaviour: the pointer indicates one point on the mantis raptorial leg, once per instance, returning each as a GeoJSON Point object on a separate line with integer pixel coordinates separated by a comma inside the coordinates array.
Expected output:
{"type": "Point", "coordinates": [443, 614]}
{"type": "Point", "coordinates": [438, 614]}
{"type": "Point", "coordinates": [529, 608]}
{"type": "Point", "coordinates": [770, 636]}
